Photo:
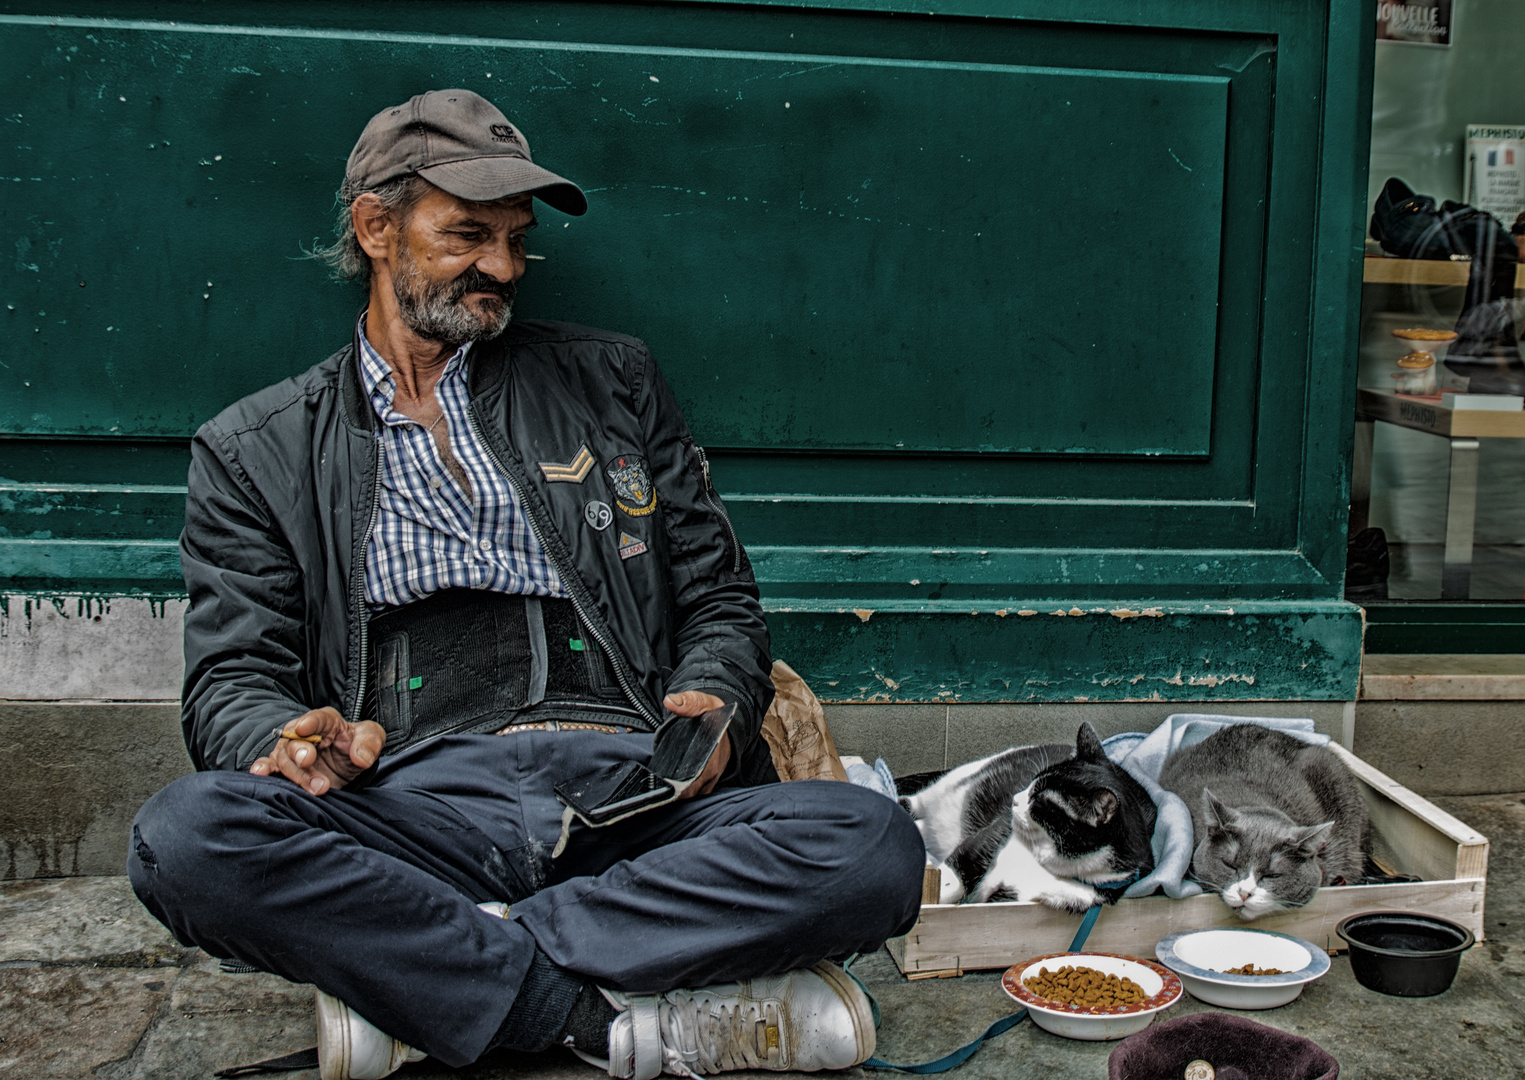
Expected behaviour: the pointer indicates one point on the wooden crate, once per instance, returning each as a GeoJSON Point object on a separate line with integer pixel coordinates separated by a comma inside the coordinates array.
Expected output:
{"type": "Point", "coordinates": [1411, 836]}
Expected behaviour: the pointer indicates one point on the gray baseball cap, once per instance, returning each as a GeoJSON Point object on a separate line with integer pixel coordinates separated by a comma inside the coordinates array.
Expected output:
{"type": "Point", "coordinates": [460, 143]}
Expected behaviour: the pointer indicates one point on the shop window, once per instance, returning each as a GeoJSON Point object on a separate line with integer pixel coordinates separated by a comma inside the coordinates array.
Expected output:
{"type": "Point", "coordinates": [1438, 502]}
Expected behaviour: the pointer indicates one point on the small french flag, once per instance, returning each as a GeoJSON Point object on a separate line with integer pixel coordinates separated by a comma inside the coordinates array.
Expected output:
{"type": "Point", "coordinates": [1508, 157]}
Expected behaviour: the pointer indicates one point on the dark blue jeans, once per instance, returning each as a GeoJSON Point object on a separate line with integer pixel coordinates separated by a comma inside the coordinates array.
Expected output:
{"type": "Point", "coordinates": [370, 895]}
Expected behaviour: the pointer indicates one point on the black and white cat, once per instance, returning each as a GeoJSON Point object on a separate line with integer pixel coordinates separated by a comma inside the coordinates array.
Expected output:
{"type": "Point", "coordinates": [1273, 817]}
{"type": "Point", "coordinates": [1063, 826]}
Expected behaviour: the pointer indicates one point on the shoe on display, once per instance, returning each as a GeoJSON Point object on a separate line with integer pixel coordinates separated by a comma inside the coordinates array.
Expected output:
{"type": "Point", "coordinates": [801, 1021]}
{"type": "Point", "coordinates": [352, 1048]}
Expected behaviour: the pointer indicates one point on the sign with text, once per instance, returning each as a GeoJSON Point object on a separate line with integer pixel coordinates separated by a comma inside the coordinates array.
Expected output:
{"type": "Point", "coordinates": [1415, 24]}
{"type": "Point", "coordinates": [1495, 179]}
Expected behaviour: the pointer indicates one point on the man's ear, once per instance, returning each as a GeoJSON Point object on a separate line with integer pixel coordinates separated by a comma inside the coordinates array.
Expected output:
{"type": "Point", "coordinates": [371, 219]}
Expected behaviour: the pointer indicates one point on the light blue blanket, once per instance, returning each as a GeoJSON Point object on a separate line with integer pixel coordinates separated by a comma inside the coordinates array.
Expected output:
{"type": "Point", "coordinates": [1144, 756]}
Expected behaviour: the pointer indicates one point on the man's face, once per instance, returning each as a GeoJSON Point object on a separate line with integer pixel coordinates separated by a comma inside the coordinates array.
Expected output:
{"type": "Point", "coordinates": [456, 264]}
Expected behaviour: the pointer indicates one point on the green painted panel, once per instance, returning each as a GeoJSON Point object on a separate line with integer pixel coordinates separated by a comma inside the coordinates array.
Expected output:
{"type": "Point", "coordinates": [1196, 653]}
{"type": "Point", "coordinates": [44, 512]}
{"type": "Point", "coordinates": [883, 175]}
{"type": "Point", "coordinates": [1445, 628]}
{"type": "Point", "coordinates": [1084, 339]}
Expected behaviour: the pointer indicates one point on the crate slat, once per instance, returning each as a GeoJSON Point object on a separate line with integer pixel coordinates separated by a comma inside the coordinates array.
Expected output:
{"type": "Point", "coordinates": [970, 937]}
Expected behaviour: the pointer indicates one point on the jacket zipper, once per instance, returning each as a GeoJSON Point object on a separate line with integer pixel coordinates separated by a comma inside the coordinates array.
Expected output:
{"type": "Point", "coordinates": [359, 588]}
{"type": "Point", "coordinates": [616, 660]}
{"type": "Point", "coordinates": [709, 488]}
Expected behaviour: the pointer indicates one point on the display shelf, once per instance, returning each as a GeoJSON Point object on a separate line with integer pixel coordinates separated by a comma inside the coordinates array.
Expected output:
{"type": "Point", "coordinates": [1381, 270]}
{"type": "Point", "coordinates": [1429, 415]}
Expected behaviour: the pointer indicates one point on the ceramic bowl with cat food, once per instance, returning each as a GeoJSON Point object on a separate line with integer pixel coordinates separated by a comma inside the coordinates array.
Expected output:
{"type": "Point", "coordinates": [1156, 989]}
{"type": "Point", "coordinates": [1208, 962]}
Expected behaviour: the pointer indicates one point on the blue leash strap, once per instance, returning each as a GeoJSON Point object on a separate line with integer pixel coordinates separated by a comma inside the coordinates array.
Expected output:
{"type": "Point", "coordinates": [965, 1052]}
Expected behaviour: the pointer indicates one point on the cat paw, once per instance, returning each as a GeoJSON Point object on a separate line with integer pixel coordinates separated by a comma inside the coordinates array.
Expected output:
{"type": "Point", "coordinates": [1072, 896]}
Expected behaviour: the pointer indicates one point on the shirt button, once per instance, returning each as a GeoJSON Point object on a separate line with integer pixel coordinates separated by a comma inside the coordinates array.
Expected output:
{"type": "Point", "coordinates": [435, 483]}
{"type": "Point", "coordinates": [485, 545]}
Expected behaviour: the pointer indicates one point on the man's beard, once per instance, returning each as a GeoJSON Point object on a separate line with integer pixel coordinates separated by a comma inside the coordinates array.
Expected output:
{"type": "Point", "coordinates": [434, 310]}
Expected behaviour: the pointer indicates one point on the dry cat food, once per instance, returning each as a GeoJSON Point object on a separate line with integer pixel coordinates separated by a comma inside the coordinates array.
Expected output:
{"type": "Point", "coordinates": [1085, 986]}
{"type": "Point", "coordinates": [1251, 969]}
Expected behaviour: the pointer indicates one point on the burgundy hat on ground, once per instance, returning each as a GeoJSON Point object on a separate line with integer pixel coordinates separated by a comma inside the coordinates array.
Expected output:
{"type": "Point", "coordinates": [460, 143]}
{"type": "Point", "coordinates": [1233, 1047]}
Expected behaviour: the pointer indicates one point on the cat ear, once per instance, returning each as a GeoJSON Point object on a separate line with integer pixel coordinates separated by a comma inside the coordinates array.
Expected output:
{"type": "Point", "coordinates": [1215, 812]}
{"type": "Point", "coordinates": [1088, 744]}
{"type": "Point", "coordinates": [1100, 808]}
{"type": "Point", "coordinates": [1308, 842]}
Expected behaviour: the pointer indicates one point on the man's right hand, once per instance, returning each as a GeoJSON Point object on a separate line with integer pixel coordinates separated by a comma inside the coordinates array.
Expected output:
{"type": "Point", "coordinates": [343, 751]}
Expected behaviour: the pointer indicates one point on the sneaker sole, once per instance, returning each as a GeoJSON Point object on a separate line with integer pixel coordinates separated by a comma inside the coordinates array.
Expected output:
{"type": "Point", "coordinates": [843, 986]}
{"type": "Point", "coordinates": [333, 1046]}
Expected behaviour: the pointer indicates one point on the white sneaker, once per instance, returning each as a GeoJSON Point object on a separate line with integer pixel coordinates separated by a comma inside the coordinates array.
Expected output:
{"type": "Point", "coordinates": [800, 1021]}
{"type": "Point", "coordinates": [351, 1048]}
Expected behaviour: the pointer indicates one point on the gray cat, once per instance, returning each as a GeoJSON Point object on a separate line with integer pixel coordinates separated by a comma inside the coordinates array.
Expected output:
{"type": "Point", "coordinates": [1274, 817]}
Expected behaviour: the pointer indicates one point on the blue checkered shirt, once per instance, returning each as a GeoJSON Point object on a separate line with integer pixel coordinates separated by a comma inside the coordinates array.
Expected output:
{"type": "Point", "coordinates": [428, 534]}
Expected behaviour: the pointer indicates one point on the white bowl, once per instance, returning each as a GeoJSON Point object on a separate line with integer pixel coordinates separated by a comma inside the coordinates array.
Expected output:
{"type": "Point", "coordinates": [1079, 1022]}
{"type": "Point", "coordinates": [1202, 957]}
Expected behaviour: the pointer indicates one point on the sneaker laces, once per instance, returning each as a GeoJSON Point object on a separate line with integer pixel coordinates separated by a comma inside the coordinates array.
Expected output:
{"type": "Point", "coordinates": [706, 1036]}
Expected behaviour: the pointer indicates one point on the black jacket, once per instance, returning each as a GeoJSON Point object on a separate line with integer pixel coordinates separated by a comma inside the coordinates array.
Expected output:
{"type": "Point", "coordinates": [281, 499]}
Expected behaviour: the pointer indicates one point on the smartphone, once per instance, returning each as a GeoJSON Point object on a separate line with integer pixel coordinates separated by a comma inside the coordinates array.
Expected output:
{"type": "Point", "coordinates": [681, 749]}
{"type": "Point", "coordinates": [615, 791]}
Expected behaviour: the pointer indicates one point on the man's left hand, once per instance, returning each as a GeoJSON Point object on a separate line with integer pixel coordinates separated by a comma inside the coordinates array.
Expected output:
{"type": "Point", "coordinates": [694, 703]}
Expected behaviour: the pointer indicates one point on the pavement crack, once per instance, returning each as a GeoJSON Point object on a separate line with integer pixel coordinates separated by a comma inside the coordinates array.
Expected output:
{"type": "Point", "coordinates": [128, 1066]}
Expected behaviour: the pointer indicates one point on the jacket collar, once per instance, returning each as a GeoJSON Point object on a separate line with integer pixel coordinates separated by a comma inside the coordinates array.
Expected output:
{"type": "Point", "coordinates": [486, 369]}
{"type": "Point", "coordinates": [487, 364]}
{"type": "Point", "coordinates": [357, 405]}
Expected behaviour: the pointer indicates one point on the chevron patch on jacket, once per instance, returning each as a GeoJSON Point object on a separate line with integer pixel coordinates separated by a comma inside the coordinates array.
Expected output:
{"type": "Point", "coordinates": [573, 472]}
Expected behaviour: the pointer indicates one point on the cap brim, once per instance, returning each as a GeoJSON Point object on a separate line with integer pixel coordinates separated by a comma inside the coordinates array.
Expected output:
{"type": "Point", "coordinates": [486, 179]}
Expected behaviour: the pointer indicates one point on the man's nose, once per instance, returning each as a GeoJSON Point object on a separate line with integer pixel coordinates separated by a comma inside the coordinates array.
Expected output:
{"type": "Point", "coordinates": [503, 261]}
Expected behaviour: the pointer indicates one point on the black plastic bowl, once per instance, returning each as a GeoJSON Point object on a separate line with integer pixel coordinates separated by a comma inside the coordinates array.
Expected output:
{"type": "Point", "coordinates": [1404, 953]}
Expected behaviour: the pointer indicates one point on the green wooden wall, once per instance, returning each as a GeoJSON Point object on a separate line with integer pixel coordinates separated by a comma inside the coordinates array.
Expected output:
{"type": "Point", "coordinates": [1003, 321]}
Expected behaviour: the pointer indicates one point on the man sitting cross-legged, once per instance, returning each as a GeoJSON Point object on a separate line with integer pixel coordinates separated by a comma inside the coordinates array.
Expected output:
{"type": "Point", "coordinates": [461, 561]}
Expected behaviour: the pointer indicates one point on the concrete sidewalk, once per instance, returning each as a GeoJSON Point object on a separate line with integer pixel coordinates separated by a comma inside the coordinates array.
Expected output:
{"type": "Point", "coordinates": [91, 986]}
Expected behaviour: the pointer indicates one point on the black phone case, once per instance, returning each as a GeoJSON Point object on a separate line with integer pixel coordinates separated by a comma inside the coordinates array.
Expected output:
{"type": "Point", "coordinates": [682, 748]}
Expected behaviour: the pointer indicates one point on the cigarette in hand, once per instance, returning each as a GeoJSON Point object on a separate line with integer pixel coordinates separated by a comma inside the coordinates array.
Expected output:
{"type": "Point", "coordinates": [284, 734]}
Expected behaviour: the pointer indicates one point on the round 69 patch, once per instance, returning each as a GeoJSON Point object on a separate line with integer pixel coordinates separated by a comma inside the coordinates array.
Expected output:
{"type": "Point", "coordinates": [634, 493]}
{"type": "Point", "coordinates": [598, 515]}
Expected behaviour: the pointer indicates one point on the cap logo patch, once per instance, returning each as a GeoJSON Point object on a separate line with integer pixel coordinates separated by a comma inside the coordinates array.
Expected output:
{"type": "Point", "coordinates": [632, 485]}
{"type": "Point", "coordinates": [503, 133]}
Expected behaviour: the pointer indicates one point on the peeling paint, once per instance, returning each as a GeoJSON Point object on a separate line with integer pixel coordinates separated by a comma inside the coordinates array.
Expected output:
{"type": "Point", "coordinates": [1002, 612]}
{"type": "Point", "coordinates": [1129, 613]}
{"type": "Point", "coordinates": [863, 614]}
{"type": "Point", "coordinates": [1026, 611]}
{"type": "Point", "coordinates": [1220, 680]}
